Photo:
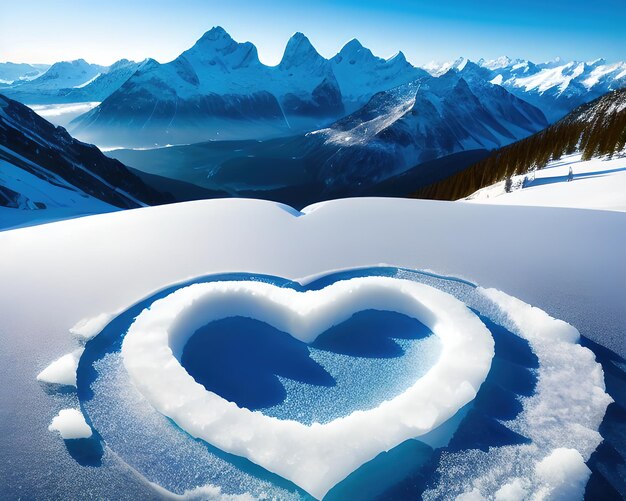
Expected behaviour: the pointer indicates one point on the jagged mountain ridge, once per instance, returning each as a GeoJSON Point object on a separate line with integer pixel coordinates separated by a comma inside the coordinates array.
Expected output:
{"type": "Point", "coordinates": [220, 85]}
{"type": "Point", "coordinates": [43, 167]}
{"type": "Point", "coordinates": [219, 89]}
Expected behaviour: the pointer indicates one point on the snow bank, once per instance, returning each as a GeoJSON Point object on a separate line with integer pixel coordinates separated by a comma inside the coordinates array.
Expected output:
{"type": "Point", "coordinates": [315, 457]}
{"type": "Point", "coordinates": [570, 400]}
{"type": "Point", "coordinates": [63, 370]}
{"type": "Point", "coordinates": [561, 418]}
{"type": "Point", "coordinates": [70, 424]}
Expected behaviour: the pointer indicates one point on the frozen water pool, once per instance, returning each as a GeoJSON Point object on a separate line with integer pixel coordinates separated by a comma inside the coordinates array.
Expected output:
{"type": "Point", "coordinates": [370, 358]}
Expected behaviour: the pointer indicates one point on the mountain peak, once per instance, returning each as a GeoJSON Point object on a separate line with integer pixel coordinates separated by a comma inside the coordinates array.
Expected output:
{"type": "Point", "coordinates": [217, 48]}
{"type": "Point", "coordinates": [299, 51]}
{"type": "Point", "coordinates": [215, 33]}
{"type": "Point", "coordinates": [354, 51]}
{"type": "Point", "coordinates": [352, 46]}
{"type": "Point", "coordinates": [494, 64]}
{"type": "Point", "coordinates": [460, 63]}
{"type": "Point", "coordinates": [398, 58]}
{"type": "Point", "coordinates": [596, 62]}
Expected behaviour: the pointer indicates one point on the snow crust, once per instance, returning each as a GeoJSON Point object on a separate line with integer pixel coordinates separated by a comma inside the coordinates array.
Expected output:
{"type": "Point", "coordinates": [63, 370]}
{"type": "Point", "coordinates": [71, 424]}
{"type": "Point", "coordinates": [315, 457]}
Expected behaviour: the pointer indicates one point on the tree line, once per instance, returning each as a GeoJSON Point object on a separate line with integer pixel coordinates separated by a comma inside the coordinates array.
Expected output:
{"type": "Point", "coordinates": [595, 129]}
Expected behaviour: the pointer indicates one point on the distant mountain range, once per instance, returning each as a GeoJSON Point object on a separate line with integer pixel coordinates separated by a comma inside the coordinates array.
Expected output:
{"type": "Point", "coordinates": [71, 82]}
{"type": "Point", "coordinates": [218, 89]}
{"type": "Point", "coordinates": [11, 73]}
{"type": "Point", "coordinates": [555, 87]}
{"type": "Point", "coordinates": [44, 170]}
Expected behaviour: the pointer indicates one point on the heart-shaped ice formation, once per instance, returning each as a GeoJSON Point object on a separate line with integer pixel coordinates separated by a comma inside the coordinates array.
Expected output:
{"type": "Point", "coordinates": [314, 457]}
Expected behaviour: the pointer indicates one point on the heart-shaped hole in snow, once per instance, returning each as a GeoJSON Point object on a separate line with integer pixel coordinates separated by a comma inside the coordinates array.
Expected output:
{"type": "Point", "coordinates": [313, 456]}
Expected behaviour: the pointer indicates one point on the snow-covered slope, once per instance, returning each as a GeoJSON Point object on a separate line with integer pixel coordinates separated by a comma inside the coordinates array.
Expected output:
{"type": "Point", "coordinates": [595, 130]}
{"type": "Point", "coordinates": [46, 174]}
{"type": "Point", "coordinates": [594, 184]}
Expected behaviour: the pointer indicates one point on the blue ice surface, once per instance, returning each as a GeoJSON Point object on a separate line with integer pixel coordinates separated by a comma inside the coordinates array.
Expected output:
{"type": "Point", "coordinates": [161, 452]}
{"type": "Point", "coordinates": [372, 357]}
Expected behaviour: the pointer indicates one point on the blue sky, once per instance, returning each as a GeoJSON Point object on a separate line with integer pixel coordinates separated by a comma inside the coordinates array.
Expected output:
{"type": "Point", "coordinates": [102, 32]}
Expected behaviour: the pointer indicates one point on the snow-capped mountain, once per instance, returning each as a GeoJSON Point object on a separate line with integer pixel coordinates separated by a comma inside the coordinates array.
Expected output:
{"type": "Point", "coordinates": [361, 74]}
{"type": "Point", "coordinates": [12, 72]}
{"type": "Point", "coordinates": [556, 87]}
{"type": "Point", "coordinates": [62, 75]}
{"type": "Point", "coordinates": [437, 69]}
{"type": "Point", "coordinates": [44, 170]}
{"type": "Point", "coordinates": [218, 89]}
{"type": "Point", "coordinates": [72, 82]}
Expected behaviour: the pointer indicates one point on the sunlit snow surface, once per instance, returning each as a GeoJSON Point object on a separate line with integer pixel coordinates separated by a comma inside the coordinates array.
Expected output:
{"type": "Point", "coordinates": [528, 432]}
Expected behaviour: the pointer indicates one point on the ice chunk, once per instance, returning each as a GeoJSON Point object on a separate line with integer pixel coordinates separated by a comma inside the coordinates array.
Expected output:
{"type": "Point", "coordinates": [564, 473]}
{"type": "Point", "coordinates": [202, 493]}
{"type": "Point", "coordinates": [515, 490]}
{"type": "Point", "coordinates": [88, 328]}
{"type": "Point", "coordinates": [63, 370]}
{"type": "Point", "coordinates": [70, 424]}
